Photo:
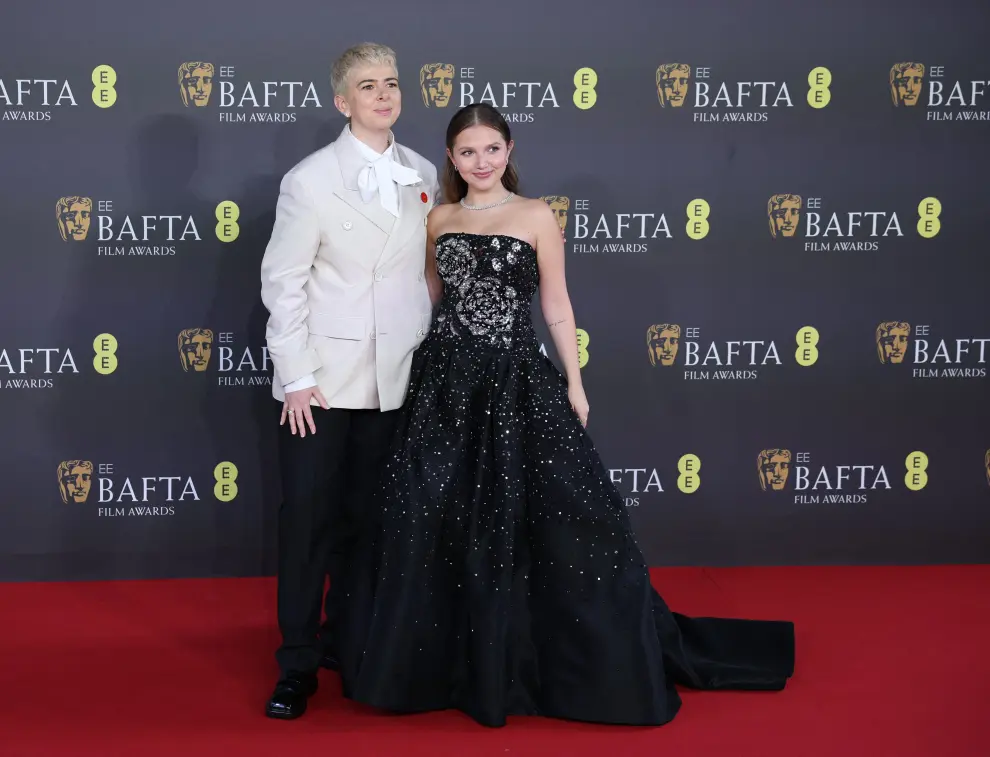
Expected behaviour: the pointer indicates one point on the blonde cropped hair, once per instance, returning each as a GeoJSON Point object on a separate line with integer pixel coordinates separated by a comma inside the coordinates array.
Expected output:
{"type": "Point", "coordinates": [367, 53]}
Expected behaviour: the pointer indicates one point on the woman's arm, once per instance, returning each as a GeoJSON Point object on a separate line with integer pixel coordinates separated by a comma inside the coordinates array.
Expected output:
{"type": "Point", "coordinates": [556, 306]}
{"type": "Point", "coordinates": [433, 281]}
{"type": "Point", "coordinates": [554, 300]}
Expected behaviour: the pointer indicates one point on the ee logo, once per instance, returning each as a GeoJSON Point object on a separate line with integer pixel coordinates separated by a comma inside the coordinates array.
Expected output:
{"type": "Point", "coordinates": [225, 488]}
{"type": "Point", "coordinates": [104, 95]}
{"type": "Point", "coordinates": [585, 81]}
{"type": "Point", "coordinates": [582, 342]}
{"type": "Point", "coordinates": [105, 349]}
{"type": "Point", "coordinates": [807, 342]}
{"type": "Point", "coordinates": [697, 213]}
{"type": "Point", "coordinates": [688, 466]}
{"type": "Point", "coordinates": [928, 212]}
{"type": "Point", "coordinates": [916, 477]}
{"type": "Point", "coordinates": [819, 94]}
{"type": "Point", "coordinates": [227, 214]}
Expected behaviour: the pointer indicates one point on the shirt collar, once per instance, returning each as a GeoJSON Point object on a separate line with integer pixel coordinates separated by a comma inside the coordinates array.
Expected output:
{"type": "Point", "coordinates": [367, 152]}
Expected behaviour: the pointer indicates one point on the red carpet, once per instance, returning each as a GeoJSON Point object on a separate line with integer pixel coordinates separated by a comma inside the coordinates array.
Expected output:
{"type": "Point", "coordinates": [891, 662]}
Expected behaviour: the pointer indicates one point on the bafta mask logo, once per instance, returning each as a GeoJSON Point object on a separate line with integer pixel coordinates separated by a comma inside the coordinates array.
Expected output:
{"type": "Point", "coordinates": [784, 213]}
{"type": "Point", "coordinates": [892, 341]}
{"type": "Point", "coordinates": [75, 477]}
{"type": "Point", "coordinates": [906, 80]}
{"type": "Point", "coordinates": [436, 83]}
{"type": "Point", "coordinates": [774, 466]}
{"type": "Point", "coordinates": [196, 83]}
{"type": "Point", "coordinates": [559, 205]}
{"type": "Point", "coordinates": [195, 349]}
{"type": "Point", "coordinates": [73, 214]}
{"type": "Point", "coordinates": [663, 340]}
{"type": "Point", "coordinates": [673, 80]}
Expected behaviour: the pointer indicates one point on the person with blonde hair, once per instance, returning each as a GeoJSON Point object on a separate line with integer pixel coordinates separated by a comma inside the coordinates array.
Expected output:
{"type": "Point", "coordinates": [343, 281]}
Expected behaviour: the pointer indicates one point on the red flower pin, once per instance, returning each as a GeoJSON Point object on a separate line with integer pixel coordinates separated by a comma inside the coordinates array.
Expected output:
{"type": "Point", "coordinates": [424, 198]}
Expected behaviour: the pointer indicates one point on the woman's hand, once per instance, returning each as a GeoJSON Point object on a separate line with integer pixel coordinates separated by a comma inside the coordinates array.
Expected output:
{"type": "Point", "coordinates": [298, 410]}
{"type": "Point", "coordinates": [579, 403]}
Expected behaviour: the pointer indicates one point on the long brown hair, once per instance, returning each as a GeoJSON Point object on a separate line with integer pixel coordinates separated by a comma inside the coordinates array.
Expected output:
{"type": "Point", "coordinates": [475, 114]}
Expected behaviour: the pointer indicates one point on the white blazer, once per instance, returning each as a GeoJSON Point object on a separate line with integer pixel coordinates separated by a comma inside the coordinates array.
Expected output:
{"type": "Point", "coordinates": [343, 280]}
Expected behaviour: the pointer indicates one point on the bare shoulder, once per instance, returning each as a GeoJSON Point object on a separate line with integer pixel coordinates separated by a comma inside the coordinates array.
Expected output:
{"type": "Point", "coordinates": [441, 212]}
{"type": "Point", "coordinates": [537, 213]}
{"type": "Point", "coordinates": [534, 205]}
{"type": "Point", "coordinates": [438, 218]}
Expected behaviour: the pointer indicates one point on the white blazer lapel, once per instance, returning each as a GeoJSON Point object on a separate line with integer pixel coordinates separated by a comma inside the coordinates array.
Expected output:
{"type": "Point", "coordinates": [412, 212]}
{"type": "Point", "coordinates": [345, 186]}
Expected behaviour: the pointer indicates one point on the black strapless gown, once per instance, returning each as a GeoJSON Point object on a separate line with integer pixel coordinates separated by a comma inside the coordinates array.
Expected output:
{"type": "Point", "coordinates": [506, 578]}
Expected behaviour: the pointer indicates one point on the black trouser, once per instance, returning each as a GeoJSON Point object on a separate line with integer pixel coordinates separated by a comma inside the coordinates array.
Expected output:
{"type": "Point", "coordinates": [329, 483]}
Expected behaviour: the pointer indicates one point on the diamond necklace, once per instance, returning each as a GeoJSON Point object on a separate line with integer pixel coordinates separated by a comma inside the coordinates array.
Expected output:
{"type": "Point", "coordinates": [486, 207]}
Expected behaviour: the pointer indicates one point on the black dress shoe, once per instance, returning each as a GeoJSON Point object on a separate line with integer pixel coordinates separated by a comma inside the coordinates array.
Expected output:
{"type": "Point", "coordinates": [291, 695]}
{"type": "Point", "coordinates": [329, 662]}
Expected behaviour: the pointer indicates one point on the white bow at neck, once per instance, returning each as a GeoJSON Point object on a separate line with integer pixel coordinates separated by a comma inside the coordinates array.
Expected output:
{"type": "Point", "coordinates": [381, 173]}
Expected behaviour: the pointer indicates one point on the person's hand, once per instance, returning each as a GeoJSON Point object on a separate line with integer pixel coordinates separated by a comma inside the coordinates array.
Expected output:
{"type": "Point", "coordinates": [579, 403]}
{"type": "Point", "coordinates": [298, 410]}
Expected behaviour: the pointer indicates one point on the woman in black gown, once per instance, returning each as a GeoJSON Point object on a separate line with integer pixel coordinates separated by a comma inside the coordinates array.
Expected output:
{"type": "Point", "coordinates": [507, 579]}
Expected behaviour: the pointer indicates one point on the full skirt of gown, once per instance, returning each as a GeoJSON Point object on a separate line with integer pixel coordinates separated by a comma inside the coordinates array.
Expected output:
{"type": "Point", "coordinates": [505, 577]}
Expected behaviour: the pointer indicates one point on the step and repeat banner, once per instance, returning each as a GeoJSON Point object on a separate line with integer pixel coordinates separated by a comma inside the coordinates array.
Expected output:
{"type": "Point", "coordinates": [776, 250]}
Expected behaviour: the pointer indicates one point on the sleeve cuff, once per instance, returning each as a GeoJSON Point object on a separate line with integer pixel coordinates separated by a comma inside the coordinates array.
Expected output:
{"type": "Point", "coordinates": [301, 383]}
{"type": "Point", "coordinates": [294, 368]}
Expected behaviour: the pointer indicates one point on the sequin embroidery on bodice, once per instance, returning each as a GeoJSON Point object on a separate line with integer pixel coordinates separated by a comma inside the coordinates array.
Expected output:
{"type": "Point", "coordinates": [489, 284]}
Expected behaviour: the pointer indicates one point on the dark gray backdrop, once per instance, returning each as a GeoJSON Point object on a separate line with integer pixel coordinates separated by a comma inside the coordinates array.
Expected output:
{"type": "Point", "coordinates": [150, 155]}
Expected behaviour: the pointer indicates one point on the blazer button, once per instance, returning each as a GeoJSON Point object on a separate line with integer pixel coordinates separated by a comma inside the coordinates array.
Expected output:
{"type": "Point", "coordinates": [419, 276]}
{"type": "Point", "coordinates": [374, 335]}
{"type": "Point", "coordinates": [347, 225]}
{"type": "Point", "coordinates": [378, 276]}
{"type": "Point", "coordinates": [419, 333]}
